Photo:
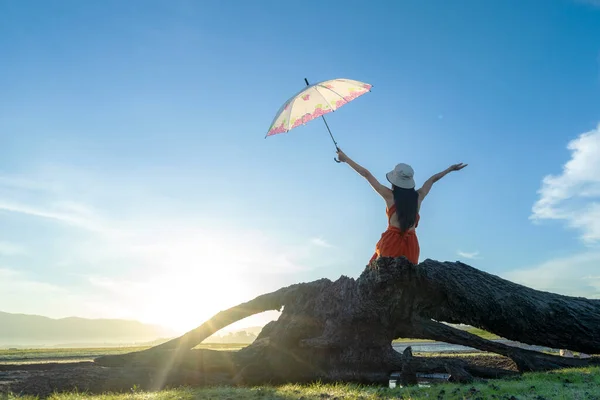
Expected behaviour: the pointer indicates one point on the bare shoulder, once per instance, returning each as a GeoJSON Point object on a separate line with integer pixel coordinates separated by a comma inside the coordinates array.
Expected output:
{"type": "Point", "coordinates": [388, 196]}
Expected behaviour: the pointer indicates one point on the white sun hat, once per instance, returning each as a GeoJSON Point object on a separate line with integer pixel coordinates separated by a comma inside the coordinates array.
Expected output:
{"type": "Point", "coordinates": [402, 176]}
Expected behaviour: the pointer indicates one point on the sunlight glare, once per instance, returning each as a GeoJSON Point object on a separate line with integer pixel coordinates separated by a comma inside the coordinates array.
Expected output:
{"type": "Point", "coordinates": [199, 276]}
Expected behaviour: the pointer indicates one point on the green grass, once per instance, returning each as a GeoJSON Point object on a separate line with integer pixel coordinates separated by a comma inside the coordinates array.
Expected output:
{"type": "Point", "coordinates": [565, 384]}
{"type": "Point", "coordinates": [568, 384]}
{"type": "Point", "coordinates": [483, 334]}
{"type": "Point", "coordinates": [409, 340]}
{"type": "Point", "coordinates": [474, 331]}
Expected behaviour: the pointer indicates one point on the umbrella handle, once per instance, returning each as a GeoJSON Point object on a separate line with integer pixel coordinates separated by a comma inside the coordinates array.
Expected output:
{"type": "Point", "coordinates": [337, 149]}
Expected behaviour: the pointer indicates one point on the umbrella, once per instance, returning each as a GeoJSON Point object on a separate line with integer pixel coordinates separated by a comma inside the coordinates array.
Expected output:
{"type": "Point", "coordinates": [315, 101]}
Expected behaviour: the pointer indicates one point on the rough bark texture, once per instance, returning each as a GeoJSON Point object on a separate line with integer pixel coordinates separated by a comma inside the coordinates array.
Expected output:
{"type": "Point", "coordinates": [343, 330]}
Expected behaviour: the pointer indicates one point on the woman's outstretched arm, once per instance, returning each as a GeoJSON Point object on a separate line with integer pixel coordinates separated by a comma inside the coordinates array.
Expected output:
{"type": "Point", "coordinates": [362, 171]}
{"type": "Point", "coordinates": [424, 191]}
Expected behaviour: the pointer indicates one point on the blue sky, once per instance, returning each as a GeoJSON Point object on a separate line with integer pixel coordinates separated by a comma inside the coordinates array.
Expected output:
{"type": "Point", "coordinates": [135, 177]}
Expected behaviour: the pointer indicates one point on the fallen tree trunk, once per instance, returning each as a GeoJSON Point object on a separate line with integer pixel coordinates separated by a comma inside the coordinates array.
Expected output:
{"type": "Point", "coordinates": [343, 330]}
{"type": "Point", "coordinates": [458, 293]}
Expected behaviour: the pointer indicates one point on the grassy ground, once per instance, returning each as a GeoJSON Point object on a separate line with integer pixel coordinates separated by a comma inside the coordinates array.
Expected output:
{"type": "Point", "coordinates": [87, 354]}
{"type": "Point", "coordinates": [568, 384]}
{"type": "Point", "coordinates": [483, 334]}
{"type": "Point", "coordinates": [475, 331]}
{"type": "Point", "coordinates": [84, 354]}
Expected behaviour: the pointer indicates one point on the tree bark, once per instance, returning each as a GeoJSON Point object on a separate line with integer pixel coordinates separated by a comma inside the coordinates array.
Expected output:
{"type": "Point", "coordinates": [343, 330]}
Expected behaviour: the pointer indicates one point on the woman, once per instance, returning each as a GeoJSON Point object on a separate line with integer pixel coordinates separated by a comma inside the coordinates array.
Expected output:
{"type": "Point", "coordinates": [403, 204]}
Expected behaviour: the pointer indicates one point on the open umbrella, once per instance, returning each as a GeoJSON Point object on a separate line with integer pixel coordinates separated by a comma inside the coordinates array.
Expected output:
{"type": "Point", "coordinates": [315, 101]}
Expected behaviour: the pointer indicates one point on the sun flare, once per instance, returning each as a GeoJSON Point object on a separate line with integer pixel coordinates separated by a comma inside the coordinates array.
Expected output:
{"type": "Point", "coordinates": [197, 279]}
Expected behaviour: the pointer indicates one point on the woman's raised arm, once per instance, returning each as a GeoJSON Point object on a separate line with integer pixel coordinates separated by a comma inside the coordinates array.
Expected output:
{"type": "Point", "coordinates": [383, 191]}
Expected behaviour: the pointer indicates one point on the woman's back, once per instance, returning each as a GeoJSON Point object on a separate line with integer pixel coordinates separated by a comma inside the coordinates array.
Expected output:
{"type": "Point", "coordinates": [395, 242]}
{"type": "Point", "coordinates": [393, 218]}
{"type": "Point", "coordinates": [403, 205]}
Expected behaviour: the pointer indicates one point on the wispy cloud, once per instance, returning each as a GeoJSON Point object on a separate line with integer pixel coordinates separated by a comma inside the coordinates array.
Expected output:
{"type": "Point", "coordinates": [13, 280]}
{"type": "Point", "coordinates": [151, 264]}
{"type": "Point", "coordinates": [11, 249]}
{"type": "Point", "coordinates": [317, 241]}
{"type": "Point", "coordinates": [573, 195]}
{"type": "Point", "coordinates": [471, 255]}
{"type": "Point", "coordinates": [40, 212]}
{"type": "Point", "coordinates": [22, 292]}
{"type": "Point", "coordinates": [595, 3]}
{"type": "Point", "coordinates": [25, 183]}
{"type": "Point", "coordinates": [575, 275]}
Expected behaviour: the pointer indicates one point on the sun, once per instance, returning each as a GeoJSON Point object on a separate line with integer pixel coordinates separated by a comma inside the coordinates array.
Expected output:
{"type": "Point", "coordinates": [181, 302]}
{"type": "Point", "coordinates": [198, 274]}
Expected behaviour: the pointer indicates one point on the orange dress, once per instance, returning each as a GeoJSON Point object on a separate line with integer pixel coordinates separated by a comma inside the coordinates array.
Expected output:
{"type": "Point", "coordinates": [394, 243]}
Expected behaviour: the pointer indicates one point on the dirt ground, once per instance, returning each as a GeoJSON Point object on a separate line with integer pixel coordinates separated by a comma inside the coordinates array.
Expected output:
{"type": "Point", "coordinates": [47, 378]}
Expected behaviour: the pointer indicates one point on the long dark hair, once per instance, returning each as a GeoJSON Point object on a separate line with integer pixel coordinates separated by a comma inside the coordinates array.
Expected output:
{"type": "Point", "coordinates": [406, 201]}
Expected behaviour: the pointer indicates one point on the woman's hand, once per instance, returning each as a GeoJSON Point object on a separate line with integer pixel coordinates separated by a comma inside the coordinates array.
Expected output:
{"type": "Point", "coordinates": [341, 155]}
{"type": "Point", "coordinates": [424, 191]}
{"type": "Point", "coordinates": [456, 167]}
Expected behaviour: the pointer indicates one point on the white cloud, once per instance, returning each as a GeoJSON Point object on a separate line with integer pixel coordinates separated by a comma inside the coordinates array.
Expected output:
{"type": "Point", "coordinates": [574, 195]}
{"type": "Point", "coordinates": [468, 255]}
{"type": "Point", "coordinates": [317, 241]}
{"type": "Point", "coordinates": [575, 275]}
{"type": "Point", "coordinates": [11, 249]}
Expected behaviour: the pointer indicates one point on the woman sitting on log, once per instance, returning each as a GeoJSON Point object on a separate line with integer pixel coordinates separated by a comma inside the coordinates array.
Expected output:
{"type": "Point", "coordinates": [403, 204]}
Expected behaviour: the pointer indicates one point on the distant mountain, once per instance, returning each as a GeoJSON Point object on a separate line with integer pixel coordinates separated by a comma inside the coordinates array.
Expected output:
{"type": "Point", "coordinates": [240, 336]}
{"type": "Point", "coordinates": [253, 330]}
{"type": "Point", "coordinates": [22, 329]}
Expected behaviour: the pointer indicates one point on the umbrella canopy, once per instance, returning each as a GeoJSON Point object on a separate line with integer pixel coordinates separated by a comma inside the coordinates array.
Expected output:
{"type": "Point", "coordinates": [315, 101]}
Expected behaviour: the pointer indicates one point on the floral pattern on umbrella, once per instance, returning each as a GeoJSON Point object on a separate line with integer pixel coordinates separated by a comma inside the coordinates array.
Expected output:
{"type": "Point", "coordinates": [315, 101]}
